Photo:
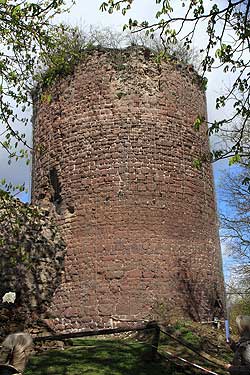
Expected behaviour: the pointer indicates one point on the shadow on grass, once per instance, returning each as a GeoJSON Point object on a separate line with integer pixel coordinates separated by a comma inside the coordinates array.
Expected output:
{"type": "Point", "coordinates": [98, 357]}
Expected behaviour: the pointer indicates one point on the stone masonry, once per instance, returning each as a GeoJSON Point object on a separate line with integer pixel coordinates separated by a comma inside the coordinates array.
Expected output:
{"type": "Point", "coordinates": [31, 264]}
{"type": "Point", "coordinates": [114, 160]}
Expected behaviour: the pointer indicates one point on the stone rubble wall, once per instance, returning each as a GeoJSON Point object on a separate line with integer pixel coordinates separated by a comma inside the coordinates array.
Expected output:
{"type": "Point", "coordinates": [31, 264]}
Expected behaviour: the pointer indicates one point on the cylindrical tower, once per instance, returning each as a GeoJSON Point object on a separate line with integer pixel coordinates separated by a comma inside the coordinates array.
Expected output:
{"type": "Point", "coordinates": [114, 160]}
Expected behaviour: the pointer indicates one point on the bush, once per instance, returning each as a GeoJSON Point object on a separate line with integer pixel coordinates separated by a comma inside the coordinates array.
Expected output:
{"type": "Point", "coordinates": [72, 44]}
{"type": "Point", "coordinates": [241, 307]}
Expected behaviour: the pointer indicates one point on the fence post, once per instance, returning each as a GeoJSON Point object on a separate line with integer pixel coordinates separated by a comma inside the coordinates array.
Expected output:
{"type": "Point", "coordinates": [155, 341]}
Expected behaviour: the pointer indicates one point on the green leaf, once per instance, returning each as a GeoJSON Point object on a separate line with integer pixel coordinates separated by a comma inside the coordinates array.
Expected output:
{"type": "Point", "coordinates": [234, 159]}
{"type": "Point", "coordinates": [204, 83]}
{"type": "Point", "coordinates": [199, 120]}
{"type": "Point", "coordinates": [197, 164]}
{"type": "Point", "coordinates": [104, 7]}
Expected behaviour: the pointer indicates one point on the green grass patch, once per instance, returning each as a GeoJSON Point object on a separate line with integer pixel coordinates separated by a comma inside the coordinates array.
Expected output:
{"type": "Point", "coordinates": [116, 356]}
{"type": "Point", "coordinates": [98, 357]}
{"type": "Point", "coordinates": [185, 334]}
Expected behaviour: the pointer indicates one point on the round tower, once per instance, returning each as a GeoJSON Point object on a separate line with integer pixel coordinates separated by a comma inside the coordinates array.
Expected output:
{"type": "Point", "coordinates": [115, 151]}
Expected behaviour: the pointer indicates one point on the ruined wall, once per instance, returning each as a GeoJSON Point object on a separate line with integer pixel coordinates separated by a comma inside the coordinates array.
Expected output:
{"type": "Point", "coordinates": [115, 148]}
{"type": "Point", "coordinates": [31, 263]}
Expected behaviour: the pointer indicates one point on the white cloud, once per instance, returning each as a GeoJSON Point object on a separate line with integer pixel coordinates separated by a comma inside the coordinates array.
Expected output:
{"type": "Point", "coordinates": [17, 172]}
{"type": "Point", "coordinates": [88, 13]}
{"type": "Point", "coordinates": [83, 15]}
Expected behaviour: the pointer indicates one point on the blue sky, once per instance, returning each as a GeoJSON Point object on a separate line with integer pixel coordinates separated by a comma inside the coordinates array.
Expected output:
{"type": "Point", "coordinates": [83, 15]}
{"type": "Point", "coordinates": [219, 170]}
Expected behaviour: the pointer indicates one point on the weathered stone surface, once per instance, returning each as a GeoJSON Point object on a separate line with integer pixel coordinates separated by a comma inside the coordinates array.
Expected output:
{"type": "Point", "coordinates": [138, 218]}
{"type": "Point", "coordinates": [31, 263]}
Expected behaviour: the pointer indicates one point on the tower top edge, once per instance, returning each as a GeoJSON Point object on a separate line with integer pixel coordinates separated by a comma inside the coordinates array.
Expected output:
{"type": "Point", "coordinates": [49, 77]}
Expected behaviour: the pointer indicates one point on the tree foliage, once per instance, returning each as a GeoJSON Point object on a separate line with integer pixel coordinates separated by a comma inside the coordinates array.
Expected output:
{"type": "Point", "coordinates": [72, 44]}
{"type": "Point", "coordinates": [25, 30]}
{"type": "Point", "coordinates": [235, 223]}
{"type": "Point", "coordinates": [235, 233]}
{"type": "Point", "coordinates": [31, 261]}
{"type": "Point", "coordinates": [238, 307]}
{"type": "Point", "coordinates": [228, 42]}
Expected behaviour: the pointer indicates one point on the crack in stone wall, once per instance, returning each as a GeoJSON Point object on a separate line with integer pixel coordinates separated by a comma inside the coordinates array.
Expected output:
{"type": "Point", "coordinates": [142, 229]}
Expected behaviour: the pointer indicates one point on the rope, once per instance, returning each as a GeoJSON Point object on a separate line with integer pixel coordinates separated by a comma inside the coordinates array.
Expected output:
{"type": "Point", "coordinates": [174, 356]}
{"type": "Point", "coordinates": [190, 363]}
{"type": "Point", "coordinates": [178, 365]}
{"type": "Point", "coordinates": [205, 356]}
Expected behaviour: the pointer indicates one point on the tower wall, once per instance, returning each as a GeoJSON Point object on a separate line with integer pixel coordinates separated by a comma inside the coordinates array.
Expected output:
{"type": "Point", "coordinates": [114, 160]}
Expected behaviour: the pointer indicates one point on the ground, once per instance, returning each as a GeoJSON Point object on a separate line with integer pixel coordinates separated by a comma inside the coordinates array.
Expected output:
{"type": "Point", "coordinates": [130, 355]}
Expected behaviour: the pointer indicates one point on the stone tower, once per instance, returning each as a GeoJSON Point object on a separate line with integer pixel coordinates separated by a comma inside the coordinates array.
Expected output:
{"type": "Point", "coordinates": [114, 161]}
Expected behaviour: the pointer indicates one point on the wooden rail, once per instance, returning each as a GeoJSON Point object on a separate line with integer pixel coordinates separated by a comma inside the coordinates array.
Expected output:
{"type": "Point", "coordinates": [151, 326]}
{"type": "Point", "coordinates": [105, 331]}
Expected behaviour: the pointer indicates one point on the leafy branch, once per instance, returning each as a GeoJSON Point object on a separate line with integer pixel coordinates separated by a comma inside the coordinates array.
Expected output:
{"type": "Point", "coordinates": [228, 44]}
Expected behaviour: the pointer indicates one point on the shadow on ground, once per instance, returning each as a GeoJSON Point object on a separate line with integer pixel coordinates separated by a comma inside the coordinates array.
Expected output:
{"type": "Point", "coordinates": [99, 357]}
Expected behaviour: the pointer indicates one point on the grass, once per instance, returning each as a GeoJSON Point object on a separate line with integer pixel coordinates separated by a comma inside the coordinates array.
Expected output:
{"type": "Point", "coordinates": [116, 356]}
{"type": "Point", "coordinates": [97, 357]}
